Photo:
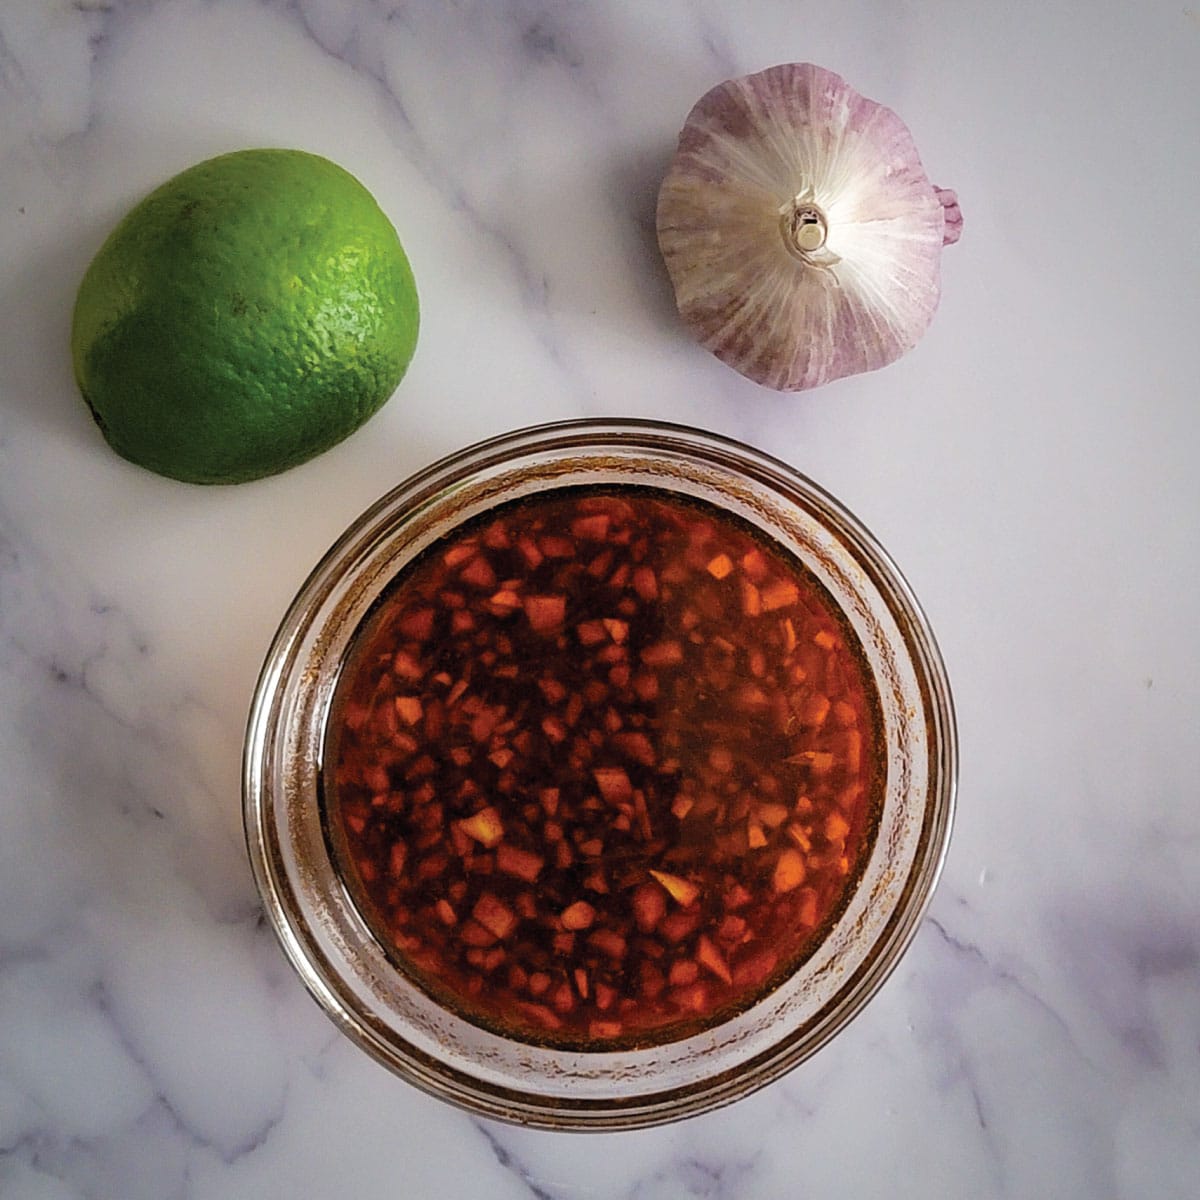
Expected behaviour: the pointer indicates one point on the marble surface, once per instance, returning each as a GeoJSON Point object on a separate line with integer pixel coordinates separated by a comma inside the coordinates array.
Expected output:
{"type": "Point", "coordinates": [1031, 465]}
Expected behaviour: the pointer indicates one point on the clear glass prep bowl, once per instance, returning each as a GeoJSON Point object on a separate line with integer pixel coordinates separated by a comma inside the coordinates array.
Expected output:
{"type": "Point", "coordinates": [348, 971]}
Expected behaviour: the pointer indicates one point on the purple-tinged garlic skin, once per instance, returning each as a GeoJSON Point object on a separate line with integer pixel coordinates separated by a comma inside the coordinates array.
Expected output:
{"type": "Point", "coordinates": [952, 215]}
{"type": "Point", "coordinates": [799, 229]}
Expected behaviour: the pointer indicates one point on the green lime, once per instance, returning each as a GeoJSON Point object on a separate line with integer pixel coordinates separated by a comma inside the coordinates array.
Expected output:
{"type": "Point", "coordinates": [247, 315]}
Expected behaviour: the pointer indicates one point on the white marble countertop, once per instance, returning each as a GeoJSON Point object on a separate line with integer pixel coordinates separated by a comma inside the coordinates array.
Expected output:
{"type": "Point", "coordinates": [1031, 466]}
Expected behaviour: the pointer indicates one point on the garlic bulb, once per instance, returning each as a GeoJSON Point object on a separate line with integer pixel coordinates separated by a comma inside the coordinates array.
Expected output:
{"type": "Point", "coordinates": [801, 234]}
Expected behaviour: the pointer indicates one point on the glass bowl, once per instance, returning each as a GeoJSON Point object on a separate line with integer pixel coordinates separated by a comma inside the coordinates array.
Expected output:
{"type": "Point", "coordinates": [330, 943]}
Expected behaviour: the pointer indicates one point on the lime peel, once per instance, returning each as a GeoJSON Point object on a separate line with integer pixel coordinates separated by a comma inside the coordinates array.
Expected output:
{"type": "Point", "coordinates": [246, 316]}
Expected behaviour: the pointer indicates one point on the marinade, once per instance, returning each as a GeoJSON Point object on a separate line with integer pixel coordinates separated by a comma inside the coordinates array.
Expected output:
{"type": "Point", "coordinates": [602, 766]}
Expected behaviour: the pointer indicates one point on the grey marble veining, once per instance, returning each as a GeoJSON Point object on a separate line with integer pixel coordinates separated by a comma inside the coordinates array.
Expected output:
{"type": "Point", "coordinates": [1030, 466]}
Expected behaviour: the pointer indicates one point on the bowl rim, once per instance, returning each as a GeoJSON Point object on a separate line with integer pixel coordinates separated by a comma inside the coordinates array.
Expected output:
{"type": "Point", "coordinates": [481, 1097]}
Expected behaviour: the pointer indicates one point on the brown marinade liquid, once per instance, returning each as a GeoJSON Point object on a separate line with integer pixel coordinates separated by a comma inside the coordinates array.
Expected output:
{"type": "Point", "coordinates": [602, 767]}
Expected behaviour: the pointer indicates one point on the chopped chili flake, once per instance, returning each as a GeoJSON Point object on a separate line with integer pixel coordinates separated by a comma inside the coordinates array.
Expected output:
{"type": "Point", "coordinates": [683, 970]}
{"type": "Point", "coordinates": [790, 871]}
{"type": "Point", "coordinates": [495, 537]}
{"type": "Point", "coordinates": [602, 767]}
{"type": "Point", "coordinates": [617, 630]}
{"type": "Point", "coordinates": [755, 565]}
{"type": "Point", "coordinates": [780, 594]}
{"type": "Point", "coordinates": [649, 907]}
{"type": "Point", "coordinates": [458, 554]}
{"type": "Point", "coordinates": [732, 929]}
{"type": "Point", "coordinates": [821, 761]}
{"type": "Point", "coordinates": [474, 934]}
{"type": "Point", "coordinates": [637, 746]}
{"type": "Point", "coordinates": [694, 999]}
{"type": "Point", "coordinates": [554, 729]}
{"type": "Point", "coordinates": [751, 599]}
{"type": "Point", "coordinates": [406, 666]}
{"type": "Point", "coordinates": [772, 815]}
{"type": "Point", "coordinates": [645, 583]}
{"type": "Point", "coordinates": [613, 783]}
{"type": "Point", "coordinates": [524, 864]}
{"type": "Point", "coordinates": [836, 827]}
{"type": "Point", "coordinates": [591, 528]}
{"type": "Point", "coordinates": [720, 758]}
{"type": "Point", "coordinates": [591, 632]}
{"type": "Point", "coordinates": [579, 915]}
{"type": "Point", "coordinates": [643, 814]}
{"type": "Point", "coordinates": [485, 826]}
{"type": "Point", "coordinates": [663, 654]}
{"type": "Point", "coordinates": [529, 552]}
{"type": "Point", "coordinates": [800, 837]}
{"type": "Point", "coordinates": [397, 859]}
{"type": "Point", "coordinates": [608, 942]}
{"type": "Point", "coordinates": [850, 745]}
{"type": "Point", "coordinates": [595, 882]}
{"type": "Point", "coordinates": [707, 955]}
{"type": "Point", "coordinates": [494, 915]}
{"type": "Point", "coordinates": [479, 573]}
{"type": "Point", "coordinates": [504, 601]}
{"type": "Point", "coordinates": [815, 709]}
{"type": "Point", "coordinates": [545, 613]}
{"type": "Point", "coordinates": [682, 891]}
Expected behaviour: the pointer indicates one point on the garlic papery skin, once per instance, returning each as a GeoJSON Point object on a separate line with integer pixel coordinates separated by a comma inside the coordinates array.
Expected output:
{"type": "Point", "coordinates": [800, 232]}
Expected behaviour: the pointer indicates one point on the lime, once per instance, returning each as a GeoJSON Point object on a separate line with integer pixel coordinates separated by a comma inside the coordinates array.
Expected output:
{"type": "Point", "coordinates": [247, 315]}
